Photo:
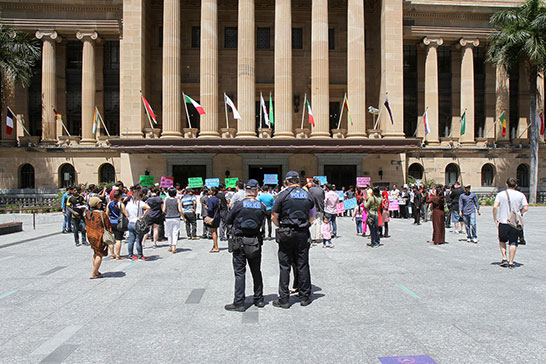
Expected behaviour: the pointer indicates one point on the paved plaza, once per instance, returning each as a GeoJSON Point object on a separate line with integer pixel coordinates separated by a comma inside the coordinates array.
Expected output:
{"type": "Point", "coordinates": [451, 302]}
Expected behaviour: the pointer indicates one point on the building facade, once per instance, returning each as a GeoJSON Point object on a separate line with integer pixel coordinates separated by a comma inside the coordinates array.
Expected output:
{"type": "Point", "coordinates": [412, 55]}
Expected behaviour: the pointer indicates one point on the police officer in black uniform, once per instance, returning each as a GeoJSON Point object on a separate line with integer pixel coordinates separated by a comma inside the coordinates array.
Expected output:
{"type": "Point", "coordinates": [294, 211]}
{"type": "Point", "coordinates": [247, 217]}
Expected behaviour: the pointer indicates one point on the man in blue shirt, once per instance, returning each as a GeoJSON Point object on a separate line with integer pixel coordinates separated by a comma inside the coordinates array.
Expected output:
{"type": "Point", "coordinates": [189, 202]}
{"type": "Point", "coordinates": [67, 221]}
{"type": "Point", "coordinates": [468, 206]}
{"type": "Point", "coordinates": [268, 200]}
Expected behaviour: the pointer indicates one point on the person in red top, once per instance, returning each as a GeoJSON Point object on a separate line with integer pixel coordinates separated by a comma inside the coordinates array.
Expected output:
{"type": "Point", "coordinates": [384, 230]}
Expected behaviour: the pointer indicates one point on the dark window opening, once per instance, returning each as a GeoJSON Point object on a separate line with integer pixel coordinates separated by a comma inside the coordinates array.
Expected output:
{"type": "Point", "coordinates": [26, 178]}
{"type": "Point", "coordinates": [452, 174]}
{"type": "Point", "coordinates": [263, 38]}
{"type": "Point", "coordinates": [334, 115]}
{"type": "Point", "coordinates": [340, 175]}
{"type": "Point", "coordinates": [107, 173]}
{"type": "Point", "coordinates": [514, 103]}
{"type": "Point", "coordinates": [416, 171]}
{"type": "Point", "coordinates": [523, 175]}
{"type": "Point", "coordinates": [297, 38]}
{"type": "Point", "coordinates": [479, 92]}
{"type": "Point", "coordinates": [67, 175]}
{"type": "Point", "coordinates": [73, 119]}
{"type": "Point", "coordinates": [331, 39]}
{"type": "Point", "coordinates": [35, 100]}
{"type": "Point", "coordinates": [160, 36]}
{"type": "Point", "coordinates": [230, 37]}
{"type": "Point", "coordinates": [196, 37]}
{"type": "Point", "coordinates": [111, 86]}
{"type": "Point", "coordinates": [444, 91]}
{"type": "Point", "coordinates": [488, 175]}
{"type": "Point", "coordinates": [181, 173]}
{"type": "Point", "coordinates": [410, 90]}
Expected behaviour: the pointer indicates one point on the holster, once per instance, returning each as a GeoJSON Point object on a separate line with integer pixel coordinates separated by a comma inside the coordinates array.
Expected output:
{"type": "Point", "coordinates": [234, 243]}
{"type": "Point", "coordinates": [283, 234]}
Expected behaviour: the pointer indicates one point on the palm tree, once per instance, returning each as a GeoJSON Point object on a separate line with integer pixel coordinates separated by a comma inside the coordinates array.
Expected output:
{"type": "Point", "coordinates": [18, 54]}
{"type": "Point", "coordinates": [520, 36]}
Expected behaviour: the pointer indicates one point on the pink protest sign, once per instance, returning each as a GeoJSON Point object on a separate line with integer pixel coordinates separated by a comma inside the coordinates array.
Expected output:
{"type": "Point", "coordinates": [394, 206]}
{"type": "Point", "coordinates": [166, 182]}
{"type": "Point", "coordinates": [340, 208]}
{"type": "Point", "coordinates": [363, 181]}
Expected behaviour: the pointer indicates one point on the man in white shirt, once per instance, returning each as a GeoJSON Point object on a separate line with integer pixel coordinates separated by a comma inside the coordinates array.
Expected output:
{"type": "Point", "coordinates": [239, 195]}
{"type": "Point", "coordinates": [506, 202]}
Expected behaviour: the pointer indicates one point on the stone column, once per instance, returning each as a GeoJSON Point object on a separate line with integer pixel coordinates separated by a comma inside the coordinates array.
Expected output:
{"type": "Point", "coordinates": [283, 69]}
{"type": "Point", "coordinates": [356, 68]}
{"type": "Point", "coordinates": [502, 103]}
{"type": "Point", "coordinates": [209, 68]}
{"type": "Point", "coordinates": [88, 85]}
{"type": "Point", "coordinates": [49, 91]}
{"type": "Point", "coordinates": [172, 87]}
{"type": "Point", "coordinates": [431, 87]}
{"type": "Point", "coordinates": [392, 67]}
{"type": "Point", "coordinates": [467, 87]}
{"type": "Point", "coordinates": [246, 94]}
{"type": "Point", "coordinates": [99, 85]}
{"type": "Point", "coordinates": [320, 84]}
{"type": "Point", "coordinates": [132, 69]}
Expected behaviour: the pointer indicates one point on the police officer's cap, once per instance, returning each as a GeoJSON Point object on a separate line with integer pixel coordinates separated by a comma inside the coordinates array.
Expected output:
{"type": "Point", "coordinates": [292, 174]}
{"type": "Point", "coordinates": [252, 183]}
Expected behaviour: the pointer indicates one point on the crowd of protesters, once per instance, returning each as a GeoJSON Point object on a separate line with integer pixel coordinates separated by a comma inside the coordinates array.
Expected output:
{"type": "Point", "coordinates": [156, 213]}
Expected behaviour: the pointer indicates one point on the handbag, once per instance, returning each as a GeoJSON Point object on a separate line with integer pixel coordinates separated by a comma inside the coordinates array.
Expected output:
{"type": "Point", "coordinates": [515, 220]}
{"type": "Point", "coordinates": [141, 225]}
{"type": "Point", "coordinates": [123, 223]}
{"type": "Point", "coordinates": [107, 237]}
{"type": "Point", "coordinates": [210, 220]}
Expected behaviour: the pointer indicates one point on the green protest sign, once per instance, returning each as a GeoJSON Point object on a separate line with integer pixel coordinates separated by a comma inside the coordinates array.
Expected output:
{"type": "Point", "coordinates": [147, 181]}
{"type": "Point", "coordinates": [195, 182]}
{"type": "Point", "coordinates": [231, 182]}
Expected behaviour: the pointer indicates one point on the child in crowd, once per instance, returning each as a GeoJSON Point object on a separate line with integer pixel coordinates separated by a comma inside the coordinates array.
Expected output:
{"type": "Point", "coordinates": [326, 233]}
{"type": "Point", "coordinates": [357, 216]}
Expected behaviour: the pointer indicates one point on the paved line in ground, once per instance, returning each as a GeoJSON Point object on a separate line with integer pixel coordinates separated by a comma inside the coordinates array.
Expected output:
{"type": "Point", "coordinates": [195, 296]}
{"type": "Point", "coordinates": [29, 240]}
{"type": "Point", "coordinates": [60, 354]}
{"type": "Point", "coordinates": [408, 291]}
{"type": "Point", "coordinates": [60, 338]}
{"type": "Point", "coordinates": [53, 270]}
{"type": "Point", "coordinates": [6, 258]}
{"type": "Point", "coordinates": [8, 293]}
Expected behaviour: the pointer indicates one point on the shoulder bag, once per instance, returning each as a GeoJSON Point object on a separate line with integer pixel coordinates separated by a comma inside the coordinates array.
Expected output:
{"type": "Point", "coordinates": [515, 220]}
{"type": "Point", "coordinates": [107, 237]}
{"type": "Point", "coordinates": [141, 225]}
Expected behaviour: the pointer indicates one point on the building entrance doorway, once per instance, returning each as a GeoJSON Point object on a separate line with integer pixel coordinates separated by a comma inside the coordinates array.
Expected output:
{"type": "Point", "coordinates": [257, 173]}
{"type": "Point", "coordinates": [340, 175]}
{"type": "Point", "coordinates": [181, 173]}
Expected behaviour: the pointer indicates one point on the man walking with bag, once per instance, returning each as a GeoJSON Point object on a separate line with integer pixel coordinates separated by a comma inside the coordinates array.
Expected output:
{"type": "Point", "coordinates": [247, 217]}
{"type": "Point", "coordinates": [508, 210]}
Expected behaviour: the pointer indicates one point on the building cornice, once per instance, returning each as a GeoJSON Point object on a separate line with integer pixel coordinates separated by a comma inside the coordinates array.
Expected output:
{"type": "Point", "coordinates": [41, 7]}
{"type": "Point", "coordinates": [447, 33]}
{"type": "Point", "coordinates": [65, 25]}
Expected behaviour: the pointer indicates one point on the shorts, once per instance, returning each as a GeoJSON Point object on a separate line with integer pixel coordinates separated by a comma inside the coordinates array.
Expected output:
{"type": "Point", "coordinates": [508, 234]}
{"type": "Point", "coordinates": [118, 235]}
{"type": "Point", "coordinates": [156, 220]}
{"type": "Point", "coordinates": [455, 217]}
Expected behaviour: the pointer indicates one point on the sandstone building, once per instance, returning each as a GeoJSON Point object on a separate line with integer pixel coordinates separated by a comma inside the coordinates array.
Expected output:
{"type": "Point", "coordinates": [417, 54]}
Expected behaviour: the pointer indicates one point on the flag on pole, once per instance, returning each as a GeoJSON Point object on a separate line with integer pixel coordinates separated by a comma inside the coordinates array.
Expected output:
{"type": "Point", "coordinates": [148, 109]}
{"type": "Point", "coordinates": [503, 123]}
{"type": "Point", "coordinates": [542, 126]}
{"type": "Point", "coordinates": [96, 119]}
{"type": "Point", "coordinates": [264, 110]}
{"type": "Point", "coordinates": [425, 121]}
{"type": "Point", "coordinates": [58, 116]}
{"type": "Point", "coordinates": [310, 112]}
{"type": "Point", "coordinates": [463, 123]}
{"type": "Point", "coordinates": [198, 107]}
{"type": "Point", "coordinates": [389, 109]}
{"type": "Point", "coordinates": [230, 103]}
{"type": "Point", "coordinates": [10, 117]}
{"type": "Point", "coordinates": [346, 104]}
{"type": "Point", "coordinates": [271, 113]}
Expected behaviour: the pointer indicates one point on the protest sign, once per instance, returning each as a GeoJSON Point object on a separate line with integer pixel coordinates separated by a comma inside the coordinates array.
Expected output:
{"type": "Point", "coordinates": [195, 182]}
{"type": "Point", "coordinates": [271, 179]}
{"type": "Point", "coordinates": [166, 182]}
{"type": "Point", "coordinates": [340, 208]}
{"type": "Point", "coordinates": [349, 204]}
{"type": "Point", "coordinates": [212, 182]}
{"type": "Point", "coordinates": [323, 180]}
{"type": "Point", "coordinates": [363, 181]}
{"type": "Point", "coordinates": [146, 181]}
{"type": "Point", "coordinates": [341, 194]}
{"type": "Point", "coordinates": [231, 182]}
{"type": "Point", "coordinates": [394, 206]}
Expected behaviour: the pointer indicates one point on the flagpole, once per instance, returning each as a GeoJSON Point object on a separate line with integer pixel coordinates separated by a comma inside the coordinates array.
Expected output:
{"type": "Point", "coordinates": [261, 109]}
{"type": "Point", "coordinates": [303, 111]}
{"type": "Point", "coordinates": [102, 122]}
{"type": "Point", "coordinates": [225, 107]}
{"type": "Point", "coordinates": [17, 119]}
{"type": "Point", "coordinates": [62, 123]}
{"type": "Point", "coordinates": [379, 115]}
{"type": "Point", "coordinates": [341, 112]}
{"type": "Point", "coordinates": [417, 128]}
{"type": "Point", "coordinates": [527, 128]}
{"type": "Point", "coordinates": [146, 109]}
{"type": "Point", "coordinates": [186, 107]}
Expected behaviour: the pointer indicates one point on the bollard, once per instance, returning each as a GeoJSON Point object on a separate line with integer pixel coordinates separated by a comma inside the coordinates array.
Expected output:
{"type": "Point", "coordinates": [34, 220]}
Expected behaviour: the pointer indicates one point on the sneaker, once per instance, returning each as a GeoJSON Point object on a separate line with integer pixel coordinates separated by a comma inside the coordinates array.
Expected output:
{"type": "Point", "coordinates": [325, 246]}
{"type": "Point", "coordinates": [276, 303]}
{"type": "Point", "coordinates": [331, 246]}
{"type": "Point", "coordinates": [143, 258]}
{"type": "Point", "coordinates": [259, 304]}
{"type": "Point", "coordinates": [196, 238]}
{"type": "Point", "coordinates": [475, 241]}
{"type": "Point", "coordinates": [134, 257]}
{"type": "Point", "coordinates": [468, 240]}
{"type": "Point", "coordinates": [77, 243]}
{"type": "Point", "coordinates": [306, 302]}
{"type": "Point", "coordinates": [154, 246]}
{"type": "Point", "coordinates": [511, 266]}
{"type": "Point", "coordinates": [503, 263]}
{"type": "Point", "coordinates": [234, 307]}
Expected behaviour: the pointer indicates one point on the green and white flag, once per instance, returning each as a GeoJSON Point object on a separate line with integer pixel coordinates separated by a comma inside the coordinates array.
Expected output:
{"type": "Point", "coordinates": [271, 113]}
{"type": "Point", "coordinates": [463, 123]}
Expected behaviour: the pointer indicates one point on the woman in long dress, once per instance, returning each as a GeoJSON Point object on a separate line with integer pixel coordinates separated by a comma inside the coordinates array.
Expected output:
{"type": "Point", "coordinates": [96, 221]}
{"type": "Point", "coordinates": [438, 217]}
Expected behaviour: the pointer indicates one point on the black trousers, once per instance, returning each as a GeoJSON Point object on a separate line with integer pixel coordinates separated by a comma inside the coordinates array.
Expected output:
{"type": "Point", "coordinates": [268, 222]}
{"type": "Point", "coordinates": [191, 224]}
{"type": "Point", "coordinates": [295, 250]}
{"type": "Point", "coordinates": [416, 211]}
{"type": "Point", "coordinates": [239, 268]}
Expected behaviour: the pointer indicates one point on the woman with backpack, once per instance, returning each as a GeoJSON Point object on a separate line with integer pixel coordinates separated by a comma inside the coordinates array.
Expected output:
{"type": "Point", "coordinates": [136, 212]}
{"type": "Point", "coordinates": [117, 215]}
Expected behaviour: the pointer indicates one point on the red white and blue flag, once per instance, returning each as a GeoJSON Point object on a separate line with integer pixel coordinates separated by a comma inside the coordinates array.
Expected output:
{"type": "Point", "coordinates": [10, 118]}
{"type": "Point", "coordinates": [425, 121]}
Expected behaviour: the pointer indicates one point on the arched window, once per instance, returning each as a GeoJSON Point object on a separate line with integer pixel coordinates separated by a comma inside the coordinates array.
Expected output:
{"type": "Point", "coordinates": [416, 171]}
{"type": "Point", "coordinates": [67, 175]}
{"type": "Point", "coordinates": [452, 174]}
{"type": "Point", "coordinates": [26, 176]}
{"type": "Point", "coordinates": [107, 173]}
{"type": "Point", "coordinates": [523, 175]}
{"type": "Point", "coordinates": [488, 175]}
